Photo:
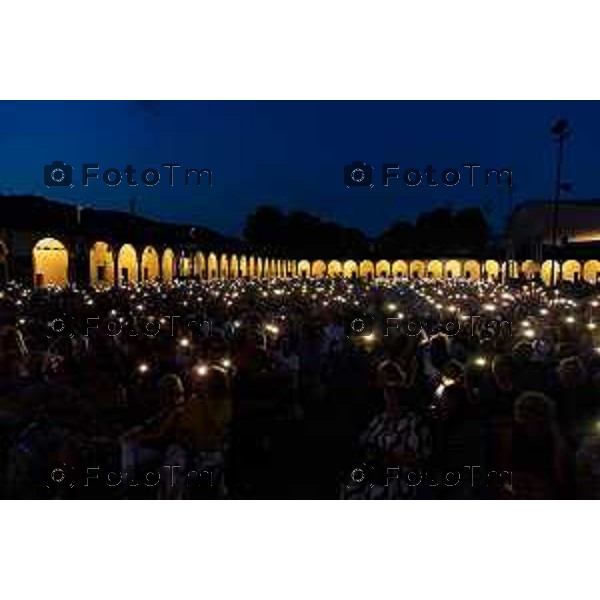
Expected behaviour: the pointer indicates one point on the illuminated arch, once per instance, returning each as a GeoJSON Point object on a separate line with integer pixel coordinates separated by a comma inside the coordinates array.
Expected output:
{"type": "Point", "coordinates": [304, 268]}
{"type": "Point", "coordinates": [452, 268]}
{"type": "Point", "coordinates": [511, 269]}
{"type": "Point", "coordinates": [213, 266]}
{"type": "Point", "coordinates": [547, 271]}
{"type": "Point", "coordinates": [184, 266]}
{"type": "Point", "coordinates": [223, 267]}
{"type": "Point", "coordinates": [400, 268]}
{"type": "Point", "coordinates": [150, 264]}
{"type": "Point", "coordinates": [319, 268]}
{"type": "Point", "coordinates": [293, 269]}
{"type": "Point", "coordinates": [50, 263]}
{"type": "Point", "coordinates": [251, 267]}
{"type": "Point", "coordinates": [417, 268]}
{"type": "Point", "coordinates": [571, 270]}
{"type": "Point", "coordinates": [492, 269]}
{"type": "Point", "coordinates": [243, 266]}
{"type": "Point", "coordinates": [350, 269]}
{"type": "Point", "coordinates": [366, 268]}
{"type": "Point", "coordinates": [435, 269]}
{"type": "Point", "coordinates": [200, 265]}
{"type": "Point", "coordinates": [472, 270]}
{"type": "Point", "coordinates": [334, 268]}
{"type": "Point", "coordinates": [383, 268]}
{"type": "Point", "coordinates": [530, 269]}
{"type": "Point", "coordinates": [279, 268]}
{"type": "Point", "coordinates": [234, 269]}
{"type": "Point", "coordinates": [168, 265]}
{"type": "Point", "coordinates": [102, 265]}
{"type": "Point", "coordinates": [127, 264]}
{"type": "Point", "coordinates": [259, 267]}
{"type": "Point", "coordinates": [273, 268]}
{"type": "Point", "coordinates": [591, 271]}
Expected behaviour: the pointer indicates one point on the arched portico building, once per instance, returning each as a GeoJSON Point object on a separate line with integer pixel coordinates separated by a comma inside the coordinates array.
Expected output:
{"type": "Point", "coordinates": [50, 263]}
{"type": "Point", "coordinates": [127, 265]}
{"type": "Point", "coordinates": [472, 270]}
{"type": "Point", "coordinates": [417, 269]}
{"type": "Point", "coordinates": [319, 268]}
{"type": "Point", "coordinates": [168, 265]}
{"type": "Point", "coordinates": [304, 268]}
{"type": "Point", "coordinates": [383, 268]}
{"type": "Point", "coordinates": [150, 268]}
{"type": "Point", "coordinates": [334, 268]}
{"type": "Point", "coordinates": [367, 269]}
{"type": "Point", "coordinates": [102, 265]}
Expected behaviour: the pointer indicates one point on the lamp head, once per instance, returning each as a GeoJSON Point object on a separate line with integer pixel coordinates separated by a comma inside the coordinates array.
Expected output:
{"type": "Point", "coordinates": [560, 128]}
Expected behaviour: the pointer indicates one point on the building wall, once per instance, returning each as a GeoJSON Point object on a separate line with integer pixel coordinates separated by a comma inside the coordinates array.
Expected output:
{"type": "Point", "coordinates": [532, 223]}
{"type": "Point", "coordinates": [17, 260]}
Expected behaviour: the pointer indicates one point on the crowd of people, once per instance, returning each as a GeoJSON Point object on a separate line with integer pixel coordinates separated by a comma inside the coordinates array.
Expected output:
{"type": "Point", "coordinates": [267, 388]}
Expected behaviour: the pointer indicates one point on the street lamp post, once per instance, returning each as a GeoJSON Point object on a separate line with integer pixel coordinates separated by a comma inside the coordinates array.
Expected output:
{"type": "Point", "coordinates": [560, 131]}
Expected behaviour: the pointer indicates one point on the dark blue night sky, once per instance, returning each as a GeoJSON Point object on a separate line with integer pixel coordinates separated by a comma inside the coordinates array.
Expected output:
{"type": "Point", "coordinates": [291, 154]}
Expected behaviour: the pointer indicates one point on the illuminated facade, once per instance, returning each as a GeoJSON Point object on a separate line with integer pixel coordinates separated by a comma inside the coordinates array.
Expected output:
{"type": "Point", "coordinates": [531, 229]}
{"type": "Point", "coordinates": [59, 247]}
{"type": "Point", "coordinates": [51, 266]}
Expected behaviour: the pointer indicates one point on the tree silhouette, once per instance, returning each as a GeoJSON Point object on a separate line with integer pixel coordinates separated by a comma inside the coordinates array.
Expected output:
{"type": "Point", "coordinates": [434, 230]}
{"type": "Point", "coordinates": [302, 235]}
{"type": "Point", "coordinates": [265, 229]}
{"type": "Point", "coordinates": [471, 230]}
{"type": "Point", "coordinates": [397, 240]}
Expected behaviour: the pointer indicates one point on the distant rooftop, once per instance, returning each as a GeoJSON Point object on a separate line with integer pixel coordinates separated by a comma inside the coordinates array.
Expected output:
{"type": "Point", "coordinates": [40, 214]}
